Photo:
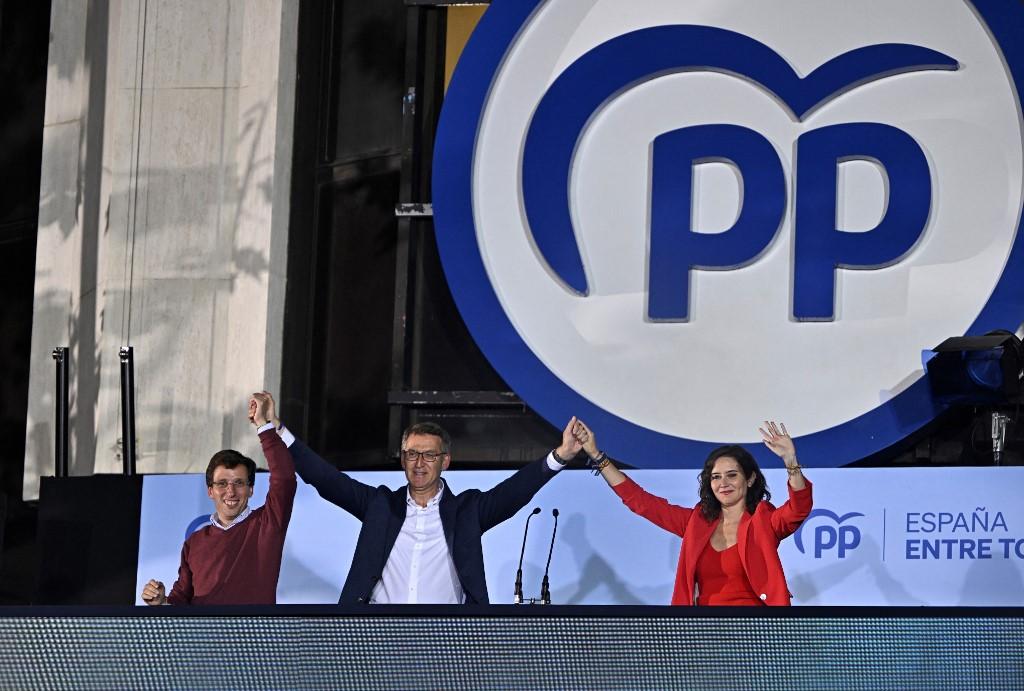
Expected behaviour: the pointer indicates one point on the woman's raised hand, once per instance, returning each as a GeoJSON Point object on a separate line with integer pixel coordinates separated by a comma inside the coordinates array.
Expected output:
{"type": "Point", "coordinates": [778, 440]}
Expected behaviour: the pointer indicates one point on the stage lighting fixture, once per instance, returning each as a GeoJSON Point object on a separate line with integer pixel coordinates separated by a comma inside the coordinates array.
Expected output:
{"type": "Point", "coordinates": [978, 370]}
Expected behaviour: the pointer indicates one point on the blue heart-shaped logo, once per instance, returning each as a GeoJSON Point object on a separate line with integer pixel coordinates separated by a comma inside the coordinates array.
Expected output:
{"type": "Point", "coordinates": [613, 67]}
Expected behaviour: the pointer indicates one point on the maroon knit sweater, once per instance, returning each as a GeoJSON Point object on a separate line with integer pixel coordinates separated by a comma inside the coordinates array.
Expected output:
{"type": "Point", "coordinates": [240, 566]}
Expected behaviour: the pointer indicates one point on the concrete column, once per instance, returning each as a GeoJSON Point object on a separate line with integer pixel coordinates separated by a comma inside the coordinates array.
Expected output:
{"type": "Point", "coordinates": [163, 224]}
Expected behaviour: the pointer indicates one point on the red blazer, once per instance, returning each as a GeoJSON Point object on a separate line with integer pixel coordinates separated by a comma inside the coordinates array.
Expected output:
{"type": "Point", "coordinates": [758, 538]}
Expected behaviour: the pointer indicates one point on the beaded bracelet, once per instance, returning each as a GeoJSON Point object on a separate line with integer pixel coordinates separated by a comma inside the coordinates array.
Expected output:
{"type": "Point", "coordinates": [598, 464]}
{"type": "Point", "coordinates": [793, 470]}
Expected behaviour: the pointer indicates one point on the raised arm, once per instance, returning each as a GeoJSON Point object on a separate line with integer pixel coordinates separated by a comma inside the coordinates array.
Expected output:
{"type": "Point", "coordinates": [788, 517]}
{"type": "Point", "coordinates": [571, 444]}
{"type": "Point", "coordinates": [502, 501]}
{"type": "Point", "coordinates": [641, 502]}
{"type": "Point", "coordinates": [281, 495]}
{"type": "Point", "coordinates": [329, 482]}
{"type": "Point", "coordinates": [602, 463]}
{"type": "Point", "coordinates": [778, 440]}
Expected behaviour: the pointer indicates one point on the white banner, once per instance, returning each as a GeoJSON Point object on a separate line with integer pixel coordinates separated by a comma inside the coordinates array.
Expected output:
{"type": "Point", "coordinates": [914, 536]}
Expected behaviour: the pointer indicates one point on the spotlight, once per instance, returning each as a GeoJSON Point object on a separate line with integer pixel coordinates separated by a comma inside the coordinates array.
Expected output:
{"type": "Point", "coordinates": [978, 370]}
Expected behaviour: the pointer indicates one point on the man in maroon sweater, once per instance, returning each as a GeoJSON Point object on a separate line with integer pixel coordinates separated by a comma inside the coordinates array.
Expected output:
{"type": "Point", "coordinates": [236, 559]}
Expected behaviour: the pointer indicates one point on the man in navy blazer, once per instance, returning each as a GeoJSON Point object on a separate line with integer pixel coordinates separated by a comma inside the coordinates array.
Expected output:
{"type": "Point", "coordinates": [421, 543]}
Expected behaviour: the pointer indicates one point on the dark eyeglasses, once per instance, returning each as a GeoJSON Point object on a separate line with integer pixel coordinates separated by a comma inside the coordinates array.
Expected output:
{"type": "Point", "coordinates": [411, 456]}
{"type": "Point", "coordinates": [223, 484]}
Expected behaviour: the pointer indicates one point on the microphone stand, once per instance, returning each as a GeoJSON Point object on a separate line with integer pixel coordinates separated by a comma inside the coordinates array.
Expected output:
{"type": "Point", "coordinates": [545, 593]}
{"type": "Point", "coordinates": [518, 596]}
{"type": "Point", "coordinates": [999, 422]}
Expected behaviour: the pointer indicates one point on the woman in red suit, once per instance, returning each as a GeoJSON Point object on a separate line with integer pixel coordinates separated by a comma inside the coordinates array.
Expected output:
{"type": "Point", "coordinates": [731, 538]}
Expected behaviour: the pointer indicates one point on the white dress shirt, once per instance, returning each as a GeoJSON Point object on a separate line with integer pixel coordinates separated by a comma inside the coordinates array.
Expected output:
{"type": "Point", "coordinates": [420, 569]}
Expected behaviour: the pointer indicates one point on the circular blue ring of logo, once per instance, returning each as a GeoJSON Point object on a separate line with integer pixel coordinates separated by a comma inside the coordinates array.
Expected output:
{"type": "Point", "coordinates": [549, 396]}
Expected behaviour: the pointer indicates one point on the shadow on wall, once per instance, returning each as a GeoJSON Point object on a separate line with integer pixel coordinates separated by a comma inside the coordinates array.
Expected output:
{"type": "Point", "coordinates": [158, 209]}
{"type": "Point", "coordinates": [294, 571]}
{"type": "Point", "coordinates": [804, 585]}
{"type": "Point", "coordinates": [999, 579]}
{"type": "Point", "coordinates": [597, 574]}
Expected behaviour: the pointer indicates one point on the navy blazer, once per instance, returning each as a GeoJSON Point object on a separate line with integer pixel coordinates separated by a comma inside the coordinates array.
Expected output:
{"type": "Point", "coordinates": [464, 517]}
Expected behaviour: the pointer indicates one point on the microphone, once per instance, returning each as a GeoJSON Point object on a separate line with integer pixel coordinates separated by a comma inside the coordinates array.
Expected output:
{"type": "Point", "coordinates": [518, 597]}
{"type": "Point", "coordinates": [545, 594]}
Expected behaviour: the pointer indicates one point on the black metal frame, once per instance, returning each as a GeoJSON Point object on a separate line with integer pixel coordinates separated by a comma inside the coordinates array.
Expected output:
{"type": "Point", "coordinates": [431, 367]}
{"type": "Point", "coordinates": [424, 88]}
{"type": "Point", "coordinates": [422, 36]}
{"type": "Point", "coordinates": [127, 356]}
{"type": "Point", "coordinates": [61, 432]}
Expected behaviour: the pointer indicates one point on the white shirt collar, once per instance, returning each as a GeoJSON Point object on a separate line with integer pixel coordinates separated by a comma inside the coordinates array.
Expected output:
{"type": "Point", "coordinates": [238, 519]}
{"type": "Point", "coordinates": [433, 500]}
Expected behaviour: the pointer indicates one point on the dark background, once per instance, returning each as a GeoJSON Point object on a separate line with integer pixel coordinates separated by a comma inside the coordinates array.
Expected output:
{"type": "Point", "coordinates": [373, 341]}
{"type": "Point", "coordinates": [24, 40]}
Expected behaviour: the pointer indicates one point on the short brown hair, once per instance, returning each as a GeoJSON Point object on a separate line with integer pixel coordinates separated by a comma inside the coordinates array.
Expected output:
{"type": "Point", "coordinates": [229, 458]}
{"type": "Point", "coordinates": [430, 429]}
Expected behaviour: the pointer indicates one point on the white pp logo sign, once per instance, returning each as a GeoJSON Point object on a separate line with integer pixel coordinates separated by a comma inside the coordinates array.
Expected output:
{"type": "Point", "coordinates": [676, 220]}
